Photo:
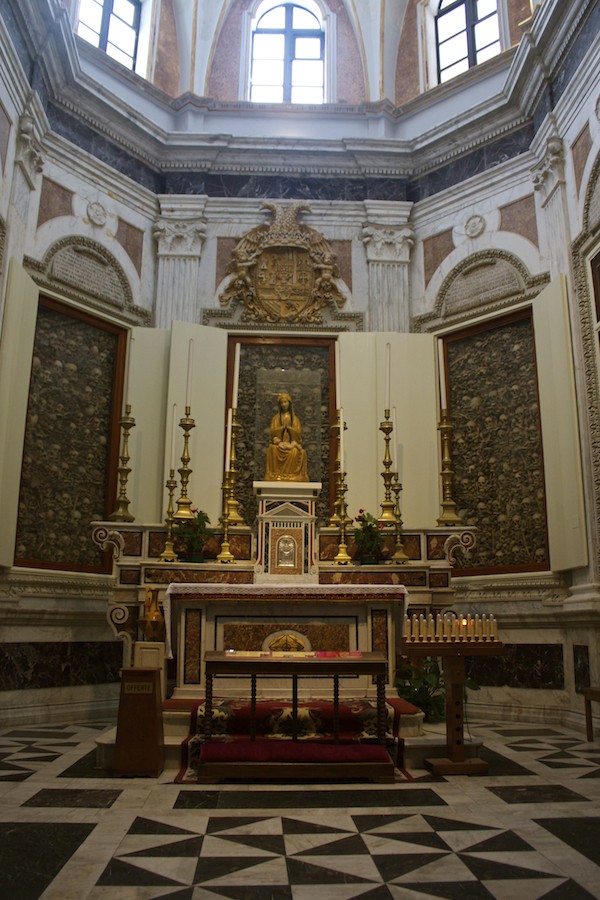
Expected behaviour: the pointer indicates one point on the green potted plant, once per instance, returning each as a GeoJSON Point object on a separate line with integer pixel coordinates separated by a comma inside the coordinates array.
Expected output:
{"type": "Point", "coordinates": [192, 534]}
{"type": "Point", "coordinates": [368, 537]}
{"type": "Point", "coordinates": [421, 682]}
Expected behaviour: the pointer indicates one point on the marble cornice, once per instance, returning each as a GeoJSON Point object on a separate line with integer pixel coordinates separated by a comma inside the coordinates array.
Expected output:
{"type": "Point", "coordinates": [17, 586]}
{"type": "Point", "coordinates": [547, 588]}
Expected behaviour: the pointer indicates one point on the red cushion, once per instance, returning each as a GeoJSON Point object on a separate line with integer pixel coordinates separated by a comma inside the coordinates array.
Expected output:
{"type": "Point", "coordinates": [291, 751]}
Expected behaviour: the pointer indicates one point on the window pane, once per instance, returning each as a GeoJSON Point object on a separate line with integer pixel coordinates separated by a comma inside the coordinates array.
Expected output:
{"type": "Point", "coordinates": [275, 18]}
{"type": "Point", "coordinates": [453, 50]}
{"type": "Point", "coordinates": [307, 95]}
{"type": "Point", "coordinates": [486, 7]}
{"type": "Point", "coordinates": [488, 52]}
{"type": "Point", "coordinates": [308, 48]}
{"type": "Point", "coordinates": [270, 72]}
{"type": "Point", "coordinates": [451, 23]}
{"type": "Point", "coordinates": [301, 18]}
{"type": "Point", "coordinates": [121, 35]}
{"type": "Point", "coordinates": [455, 70]}
{"type": "Point", "coordinates": [487, 32]}
{"type": "Point", "coordinates": [309, 74]}
{"type": "Point", "coordinates": [88, 35]}
{"type": "Point", "coordinates": [268, 46]}
{"type": "Point", "coordinates": [90, 14]}
{"type": "Point", "coordinates": [261, 94]}
{"type": "Point", "coordinates": [124, 10]}
{"type": "Point", "coordinates": [117, 54]}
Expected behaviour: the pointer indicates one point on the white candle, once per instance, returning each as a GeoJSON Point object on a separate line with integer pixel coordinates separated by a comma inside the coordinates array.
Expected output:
{"type": "Point", "coordinates": [188, 389]}
{"type": "Point", "coordinates": [442, 375]}
{"type": "Point", "coordinates": [236, 377]}
{"type": "Point", "coordinates": [228, 438]}
{"type": "Point", "coordinates": [338, 376]}
{"type": "Point", "coordinates": [173, 424]}
{"type": "Point", "coordinates": [388, 374]}
{"type": "Point", "coordinates": [341, 440]}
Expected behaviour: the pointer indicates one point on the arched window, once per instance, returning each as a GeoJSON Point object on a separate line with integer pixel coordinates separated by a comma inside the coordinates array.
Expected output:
{"type": "Point", "coordinates": [467, 33]}
{"type": "Point", "coordinates": [287, 54]}
{"type": "Point", "coordinates": [113, 26]}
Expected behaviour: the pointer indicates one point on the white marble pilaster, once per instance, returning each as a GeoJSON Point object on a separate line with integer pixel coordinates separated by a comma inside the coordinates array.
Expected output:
{"type": "Point", "coordinates": [548, 177]}
{"type": "Point", "coordinates": [179, 232]}
{"type": "Point", "coordinates": [388, 239]}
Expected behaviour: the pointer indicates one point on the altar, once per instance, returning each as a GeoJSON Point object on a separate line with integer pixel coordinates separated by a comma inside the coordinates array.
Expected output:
{"type": "Point", "coordinates": [281, 618]}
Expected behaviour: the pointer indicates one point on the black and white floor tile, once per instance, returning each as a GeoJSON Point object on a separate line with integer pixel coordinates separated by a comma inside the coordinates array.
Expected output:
{"type": "Point", "coordinates": [528, 829]}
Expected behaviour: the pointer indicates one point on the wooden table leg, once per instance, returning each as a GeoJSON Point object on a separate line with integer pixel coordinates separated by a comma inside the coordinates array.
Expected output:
{"type": "Point", "coordinates": [381, 710]}
{"type": "Point", "coordinates": [336, 709]}
{"type": "Point", "coordinates": [294, 707]}
{"type": "Point", "coordinates": [208, 699]}
{"type": "Point", "coordinates": [253, 707]}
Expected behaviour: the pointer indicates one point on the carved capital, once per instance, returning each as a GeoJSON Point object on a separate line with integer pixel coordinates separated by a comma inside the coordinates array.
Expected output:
{"type": "Point", "coordinates": [28, 156]}
{"type": "Point", "coordinates": [179, 237]}
{"type": "Point", "coordinates": [383, 244]}
{"type": "Point", "coordinates": [550, 171]}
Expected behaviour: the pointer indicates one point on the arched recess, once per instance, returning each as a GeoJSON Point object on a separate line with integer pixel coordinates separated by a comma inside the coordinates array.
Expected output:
{"type": "Point", "coordinates": [484, 284]}
{"type": "Point", "coordinates": [83, 270]}
{"type": "Point", "coordinates": [585, 249]}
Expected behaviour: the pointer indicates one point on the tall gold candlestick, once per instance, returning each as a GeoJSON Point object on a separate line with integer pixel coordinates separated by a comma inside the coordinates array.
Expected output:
{"type": "Point", "coordinates": [342, 558]}
{"type": "Point", "coordinates": [225, 556]}
{"type": "Point", "coordinates": [399, 554]}
{"type": "Point", "coordinates": [168, 554]}
{"type": "Point", "coordinates": [233, 513]}
{"type": "Point", "coordinates": [121, 512]}
{"type": "Point", "coordinates": [184, 503]}
{"type": "Point", "coordinates": [449, 514]}
{"type": "Point", "coordinates": [387, 516]}
{"type": "Point", "coordinates": [334, 520]}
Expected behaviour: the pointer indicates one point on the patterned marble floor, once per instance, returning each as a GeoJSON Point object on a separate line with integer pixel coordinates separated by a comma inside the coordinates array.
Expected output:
{"type": "Point", "coordinates": [528, 829]}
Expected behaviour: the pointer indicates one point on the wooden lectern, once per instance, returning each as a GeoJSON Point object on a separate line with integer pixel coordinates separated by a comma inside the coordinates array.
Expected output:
{"type": "Point", "coordinates": [454, 654]}
{"type": "Point", "coordinates": [140, 745]}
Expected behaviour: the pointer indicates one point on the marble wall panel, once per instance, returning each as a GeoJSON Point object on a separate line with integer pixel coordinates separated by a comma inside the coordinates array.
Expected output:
{"type": "Point", "coordinates": [284, 187]}
{"type": "Point", "coordinates": [517, 11]}
{"type": "Point", "coordinates": [26, 665]}
{"type": "Point", "coordinates": [64, 479]}
{"type": "Point", "coordinates": [166, 63]}
{"type": "Point", "coordinates": [538, 666]}
{"type": "Point", "coordinates": [55, 200]}
{"type": "Point", "coordinates": [497, 453]}
{"type": "Point", "coordinates": [520, 218]}
{"type": "Point", "coordinates": [435, 250]}
{"type": "Point", "coordinates": [379, 631]}
{"type": "Point", "coordinates": [132, 241]}
{"type": "Point", "coordinates": [581, 667]}
{"type": "Point", "coordinates": [192, 661]}
{"type": "Point", "coordinates": [407, 80]}
{"type": "Point", "coordinates": [580, 151]}
{"type": "Point", "coordinates": [322, 635]}
{"type": "Point", "coordinates": [351, 87]}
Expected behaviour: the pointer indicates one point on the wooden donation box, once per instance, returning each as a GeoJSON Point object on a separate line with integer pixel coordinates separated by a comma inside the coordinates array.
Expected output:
{"type": "Point", "coordinates": [140, 746]}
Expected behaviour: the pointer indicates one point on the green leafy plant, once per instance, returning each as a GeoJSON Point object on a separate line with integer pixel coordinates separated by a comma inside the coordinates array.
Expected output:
{"type": "Point", "coordinates": [368, 535]}
{"type": "Point", "coordinates": [192, 534]}
{"type": "Point", "coordinates": [422, 684]}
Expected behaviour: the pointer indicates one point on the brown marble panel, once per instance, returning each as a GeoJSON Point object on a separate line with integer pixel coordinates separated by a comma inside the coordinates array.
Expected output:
{"type": "Point", "coordinates": [435, 250]}
{"type": "Point", "coordinates": [342, 251]}
{"type": "Point", "coordinates": [412, 545]}
{"type": "Point", "coordinates": [580, 151]}
{"type": "Point", "coordinates": [190, 575]}
{"type": "Point", "coordinates": [130, 576]}
{"type": "Point", "coordinates": [55, 200]}
{"type": "Point", "coordinates": [351, 80]}
{"type": "Point", "coordinates": [369, 575]}
{"type": "Point", "coordinates": [132, 543]}
{"type": "Point", "coordinates": [329, 545]}
{"type": "Point", "coordinates": [379, 631]}
{"type": "Point", "coordinates": [192, 662]}
{"type": "Point", "coordinates": [223, 80]}
{"type": "Point", "coordinates": [166, 66]}
{"type": "Point", "coordinates": [322, 635]}
{"type": "Point", "coordinates": [435, 546]}
{"type": "Point", "coordinates": [156, 543]}
{"type": "Point", "coordinates": [439, 579]}
{"type": "Point", "coordinates": [48, 664]}
{"type": "Point", "coordinates": [519, 217]}
{"type": "Point", "coordinates": [225, 248]}
{"type": "Point", "coordinates": [132, 241]}
{"type": "Point", "coordinates": [534, 666]}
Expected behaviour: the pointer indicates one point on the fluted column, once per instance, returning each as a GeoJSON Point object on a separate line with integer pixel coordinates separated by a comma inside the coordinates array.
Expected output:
{"type": "Point", "coordinates": [388, 239]}
{"type": "Point", "coordinates": [179, 231]}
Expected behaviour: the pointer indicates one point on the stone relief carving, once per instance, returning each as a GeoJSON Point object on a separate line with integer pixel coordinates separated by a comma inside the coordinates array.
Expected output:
{"type": "Point", "coordinates": [28, 155]}
{"type": "Point", "coordinates": [177, 237]}
{"type": "Point", "coordinates": [550, 171]}
{"type": "Point", "coordinates": [283, 272]}
{"type": "Point", "coordinates": [387, 244]}
{"type": "Point", "coordinates": [85, 270]}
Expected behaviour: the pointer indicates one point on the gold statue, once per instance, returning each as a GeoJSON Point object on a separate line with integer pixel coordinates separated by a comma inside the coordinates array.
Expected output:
{"type": "Point", "coordinates": [286, 459]}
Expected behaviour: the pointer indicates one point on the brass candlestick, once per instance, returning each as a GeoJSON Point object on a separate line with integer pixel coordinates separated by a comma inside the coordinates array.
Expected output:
{"type": "Point", "coordinates": [225, 556]}
{"type": "Point", "coordinates": [399, 554]}
{"type": "Point", "coordinates": [233, 514]}
{"type": "Point", "coordinates": [449, 515]}
{"type": "Point", "coordinates": [168, 554]}
{"type": "Point", "coordinates": [342, 558]}
{"type": "Point", "coordinates": [334, 520]}
{"type": "Point", "coordinates": [121, 512]}
{"type": "Point", "coordinates": [387, 516]}
{"type": "Point", "coordinates": [184, 503]}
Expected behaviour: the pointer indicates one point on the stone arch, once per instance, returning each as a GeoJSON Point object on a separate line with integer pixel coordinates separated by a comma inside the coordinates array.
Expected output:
{"type": "Point", "coordinates": [84, 270]}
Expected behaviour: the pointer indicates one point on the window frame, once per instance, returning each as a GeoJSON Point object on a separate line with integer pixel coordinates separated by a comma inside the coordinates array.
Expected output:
{"type": "Point", "coordinates": [471, 22]}
{"type": "Point", "coordinates": [103, 42]}
{"type": "Point", "coordinates": [326, 34]}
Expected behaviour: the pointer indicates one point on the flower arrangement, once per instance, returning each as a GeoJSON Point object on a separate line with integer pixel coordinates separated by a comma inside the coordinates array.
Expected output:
{"type": "Point", "coordinates": [192, 534]}
{"type": "Point", "coordinates": [368, 535]}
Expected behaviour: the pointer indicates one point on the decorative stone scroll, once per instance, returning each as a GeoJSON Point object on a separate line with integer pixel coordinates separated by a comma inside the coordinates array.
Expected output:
{"type": "Point", "coordinates": [283, 272]}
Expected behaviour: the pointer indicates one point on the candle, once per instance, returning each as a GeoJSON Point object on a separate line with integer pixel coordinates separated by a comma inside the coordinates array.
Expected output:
{"type": "Point", "coordinates": [236, 377]}
{"type": "Point", "coordinates": [341, 439]}
{"type": "Point", "coordinates": [388, 373]}
{"type": "Point", "coordinates": [188, 389]}
{"type": "Point", "coordinates": [338, 376]}
{"type": "Point", "coordinates": [228, 439]}
{"type": "Point", "coordinates": [173, 424]}
{"type": "Point", "coordinates": [442, 375]}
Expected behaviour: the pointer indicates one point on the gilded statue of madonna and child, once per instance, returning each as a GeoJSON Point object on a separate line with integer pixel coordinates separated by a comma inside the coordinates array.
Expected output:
{"type": "Point", "coordinates": [286, 458]}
